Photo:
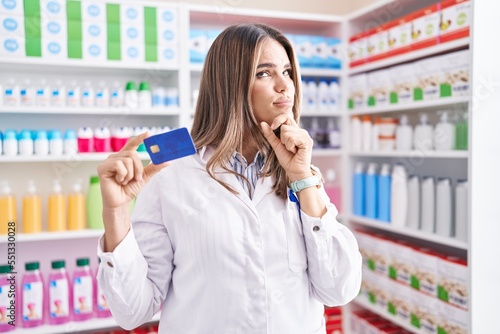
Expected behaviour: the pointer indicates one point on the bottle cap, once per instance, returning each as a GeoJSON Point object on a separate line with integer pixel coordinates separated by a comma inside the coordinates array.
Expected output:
{"type": "Point", "coordinates": [25, 134]}
{"type": "Point", "coordinates": [131, 86]}
{"type": "Point", "coordinates": [10, 134]}
{"type": "Point", "coordinates": [82, 262]}
{"type": "Point", "coordinates": [77, 186]}
{"type": "Point", "coordinates": [58, 264]}
{"type": "Point", "coordinates": [144, 85]}
{"type": "Point", "coordinates": [70, 134]}
{"type": "Point", "coordinates": [56, 187]}
{"type": "Point", "coordinates": [5, 188]}
{"type": "Point", "coordinates": [30, 266]}
{"type": "Point", "coordinates": [31, 187]}
{"type": "Point", "coordinates": [5, 269]}
{"type": "Point", "coordinates": [94, 179]}
{"type": "Point", "coordinates": [41, 134]}
{"type": "Point", "coordinates": [55, 134]}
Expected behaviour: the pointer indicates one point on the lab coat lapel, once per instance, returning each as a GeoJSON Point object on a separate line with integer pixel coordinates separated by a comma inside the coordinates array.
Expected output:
{"type": "Point", "coordinates": [235, 184]}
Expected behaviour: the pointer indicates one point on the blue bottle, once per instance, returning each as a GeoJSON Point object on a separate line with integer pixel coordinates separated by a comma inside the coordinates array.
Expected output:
{"type": "Point", "coordinates": [384, 193]}
{"type": "Point", "coordinates": [359, 183]}
{"type": "Point", "coordinates": [371, 193]}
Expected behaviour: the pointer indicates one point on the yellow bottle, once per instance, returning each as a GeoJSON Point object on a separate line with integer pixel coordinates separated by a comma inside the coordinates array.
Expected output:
{"type": "Point", "coordinates": [32, 210]}
{"type": "Point", "coordinates": [8, 217]}
{"type": "Point", "coordinates": [57, 209]}
{"type": "Point", "coordinates": [76, 208]}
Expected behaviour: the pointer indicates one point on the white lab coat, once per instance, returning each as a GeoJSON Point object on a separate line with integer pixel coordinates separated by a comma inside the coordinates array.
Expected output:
{"type": "Point", "coordinates": [216, 262]}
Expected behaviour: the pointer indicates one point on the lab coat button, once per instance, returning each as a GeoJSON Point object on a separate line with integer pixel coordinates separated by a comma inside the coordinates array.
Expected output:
{"type": "Point", "coordinates": [316, 228]}
{"type": "Point", "coordinates": [110, 264]}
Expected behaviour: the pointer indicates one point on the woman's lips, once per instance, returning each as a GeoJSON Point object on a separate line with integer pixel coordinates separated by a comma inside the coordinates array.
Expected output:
{"type": "Point", "coordinates": [283, 103]}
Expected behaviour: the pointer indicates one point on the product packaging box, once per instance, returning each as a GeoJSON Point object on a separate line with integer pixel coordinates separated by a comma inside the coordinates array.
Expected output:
{"type": "Point", "coordinates": [12, 38]}
{"type": "Point", "coordinates": [304, 50]}
{"type": "Point", "coordinates": [429, 78]}
{"type": "Point", "coordinates": [320, 51]}
{"type": "Point", "coordinates": [381, 254]}
{"type": "Point", "coordinates": [452, 320]}
{"type": "Point", "coordinates": [197, 46]}
{"type": "Point", "coordinates": [401, 262]}
{"type": "Point", "coordinates": [357, 49]}
{"type": "Point", "coordinates": [93, 41]}
{"type": "Point", "coordinates": [402, 82]}
{"type": "Point", "coordinates": [377, 43]}
{"type": "Point", "coordinates": [453, 282]}
{"type": "Point", "coordinates": [424, 277]}
{"type": "Point", "coordinates": [399, 36]}
{"type": "Point", "coordinates": [425, 27]}
{"type": "Point", "coordinates": [364, 245]}
{"type": "Point", "coordinates": [357, 94]}
{"type": "Point", "coordinates": [132, 32]}
{"type": "Point", "coordinates": [53, 9]}
{"type": "Point", "coordinates": [54, 39]}
{"type": "Point", "coordinates": [379, 86]}
{"type": "Point", "coordinates": [456, 74]}
{"type": "Point", "coordinates": [382, 291]}
{"type": "Point", "coordinates": [402, 303]}
{"type": "Point", "coordinates": [93, 10]}
{"type": "Point", "coordinates": [168, 37]}
{"type": "Point", "coordinates": [455, 20]}
{"type": "Point", "coordinates": [334, 53]}
{"type": "Point", "coordinates": [425, 312]}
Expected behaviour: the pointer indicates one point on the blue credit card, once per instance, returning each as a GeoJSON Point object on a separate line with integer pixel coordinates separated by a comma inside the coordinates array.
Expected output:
{"type": "Point", "coordinates": [170, 145]}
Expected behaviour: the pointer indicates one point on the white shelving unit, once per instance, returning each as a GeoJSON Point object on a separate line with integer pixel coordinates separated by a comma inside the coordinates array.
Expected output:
{"type": "Point", "coordinates": [53, 236]}
{"type": "Point", "coordinates": [89, 111]}
{"type": "Point", "coordinates": [414, 153]}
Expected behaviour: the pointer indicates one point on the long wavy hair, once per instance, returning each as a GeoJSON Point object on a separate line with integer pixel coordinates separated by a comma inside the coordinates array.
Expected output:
{"type": "Point", "coordinates": [224, 114]}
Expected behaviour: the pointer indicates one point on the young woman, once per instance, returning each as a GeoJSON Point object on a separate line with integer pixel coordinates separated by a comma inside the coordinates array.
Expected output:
{"type": "Point", "coordinates": [240, 237]}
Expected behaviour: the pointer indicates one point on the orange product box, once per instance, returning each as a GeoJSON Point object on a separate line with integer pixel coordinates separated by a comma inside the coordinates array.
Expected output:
{"type": "Point", "coordinates": [399, 36]}
{"type": "Point", "coordinates": [455, 17]}
{"type": "Point", "coordinates": [377, 43]}
{"type": "Point", "coordinates": [357, 49]}
{"type": "Point", "coordinates": [425, 27]}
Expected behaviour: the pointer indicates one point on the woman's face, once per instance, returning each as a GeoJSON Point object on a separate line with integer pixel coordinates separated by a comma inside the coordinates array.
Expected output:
{"type": "Point", "coordinates": [273, 90]}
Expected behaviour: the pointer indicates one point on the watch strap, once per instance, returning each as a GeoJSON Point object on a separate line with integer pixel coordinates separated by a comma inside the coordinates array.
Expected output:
{"type": "Point", "coordinates": [310, 181]}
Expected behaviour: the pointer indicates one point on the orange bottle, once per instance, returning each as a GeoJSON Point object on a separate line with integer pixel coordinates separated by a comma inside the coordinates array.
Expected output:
{"type": "Point", "coordinates": [76, 208]}
{"type": "Point", "coordinates": [32, 210]}
{"type": "Point", "coordinates": [8, 217]}
{"type": "Point", "coordinates": [57, 209]}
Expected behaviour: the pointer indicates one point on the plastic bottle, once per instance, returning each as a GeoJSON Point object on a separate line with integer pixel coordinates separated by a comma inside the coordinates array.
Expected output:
{"type": "Point", "coordinates": [94, 204]}
{"type": "Point", "coordinates": [32, 296]}
{"type": "Point", "coordinates": [371, 194]}
{"type": "Point", "coordinates": [42, 94]}
{"type": "Point", "coordinates": [8, 302]}
{"type": "Point", "coordinates": [116, 95]}
{"type": "Point", "coordinates": [444, 134]}
{"type": "Point", "coordinates": [444, 219]}
{"type": "Point", "coordinates": [1, 143]}
{"type": "Point", "coordinates": [158, 97]}
{"type": "Point", "coordinates": [424, 135]}
{"type": "Point", "coordinates": [58, 98]}
{"type": "Point", "coordinates": [404, 135]}
{"type": "Point", "coordinates": [102, 95]}
{"type": "Point", "coordinates": [32, 210]}
{"type": "Point", "coordinates": [57, 209]}
{"type": "Point", "coordinates": [399, 195]}
{"type": "Point", "coordinates": [83, 291]}
{"type": "Point", "coordinates": [332, 189]}
{"type": "Point", "coordinates": [312, 96]}
{"type": "Point", "coordinates": [334, 137]}
{"type": "Point", "coordinates": [102, 139]}
{"type": "Point", "coordinates": [359, 182]}
{"type": "Point", "coordinates": [119, 136]}
{"type": "Point", "coordinates": [356, 135]}
{"type": "Point", "coordinates": [137, 131]}
{"type": "Point", "coordinates": [41, 143]}
{"type": "Point", "coordinates": [88, 94]}
{"type": "Point", "coordinates": [461, 210]}
{"type": "Point", "coordinates": [462, 133]}
{"type": "Point", "coordinates": [25, 143]}
{"type": "Point", "coordinates": [366, 133]}
{"type": "Point", "coordinates": [10, 145]}
{"type": "Point", "coordinates": [145, 96]}
{"type": "Point", "coordinates": [102, 307]}
{"type": "Point", "coordinates": [319, 134]}
{"type": "Point", "coordinates": [323, 96]}
{"type": "Point", "coordinates": [76, 207]}
{"type": "Point", "coordinates": [375, 142]}
{"type": "Point", "coordinates": [85, 140]}
{"type": "Point", "coordinates": [11, 93]}
{"type": "Point", "coordinates": [27, 92]}
{"type": "Point", "coordinates": [131, 95]}
{"type": "Point", "coordinates": [8, 213]}
{"type": "Point", "coordinates": [334, 94]}
{"type": "Point", "coordinates": [427, 217]}
{"type": "Point", "coordinates": [413, 219]}
{"type": "Point", "coordinates": [384, 193]}
{"type": "Point", "coordinates": [56, 146]}
{"type": "Point", "coordinates": [73, 94]}
{"type": "Point", "coordinates": [171, 97]}
{"type": "Point", "coordinates": [59, 294]}
{"type": "Point", "coordinates": [70, 142]}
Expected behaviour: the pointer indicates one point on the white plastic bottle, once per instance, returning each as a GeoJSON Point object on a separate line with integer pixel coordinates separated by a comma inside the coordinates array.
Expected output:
{"type": "Point", "coordinates": [312, 96]}
{"type": "Point", "coordinates": [366, 130]}
{"type": "Point", "coordinates": [356, 136]}
{"type": "Point", "coordinates": [413, 219]}
{"type": "Point", "coordinates": [131, 95]}
{"type": "Point", "coordinates": [73, 94]}
{"type": "Point", "coordinates": [27, 92]}
{"type": "Point", "coordinates": [171, 97]}
{"type": "Point", "coordinates": [41, 143]}
{"type": "Point", "coordinates": [375, 142]}
{"type": "Point", "coordinates": [58, 96]}
{"type": "Point", "coordinates": [88, 94]}
{"type": "Point", "coordinates": [399, 195]}
{"type": "Point", "coordinates": [334, 137]}
{"type": "Point", "coordinates": [102, 95]}
{"type": "Point", "coordinates": [159, 97]}
{"type": "Point", "coordinates": [25, 143]}
{"type": "Point", "coordinates": [334, 94]}
{"type": "Point", "coordinates": [427, 205]}
{"type": "Point", "coordinates": [323, 96]}
{"type": "Point", "coordinates": [461, 210]}
{"type": "Point", "coordinates": [444, 222]}
{"type": "Point", "coordinates": [11, 93]}
{"type": "Point", "coordinates": [404, 135]}
{"type": "Point", "coordinates": [42, 95]}
{"type": "Point", "coordinates": [145, 96]}
{"type": "Point", "coordinates": [444, 134]}
{"type": "Point", "coordinates": [56, 146]}
{"type": "Point", "coordinates": [70, 142]}
{"type": "Point", "coordinates": [116, 95]}
{"type": "Point", "coordinates": [424, 135]}
{"type": "Point", "coordinates": [10, 145]}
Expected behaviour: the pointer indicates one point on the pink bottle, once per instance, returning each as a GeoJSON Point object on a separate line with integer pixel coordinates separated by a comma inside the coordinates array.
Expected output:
{"type": "Point", "coordinates": [102, 140]}
{"type": "Point", "coordinates": [119, 137]}
{"type": "Point", "coordinates": [59, 294]}
{"type": "Point", "coordinates": [7, 299]}
{"type": "Point", "coordinates": [102, 307]}
{"type": "Point", "coordinates": [333, 190]}
{"type": "Point", "coordinates": [32, 296]}
{"type": "Point", "coordinates": [85, 140]}
{"type": "Point", "coordinates": [83, 291]}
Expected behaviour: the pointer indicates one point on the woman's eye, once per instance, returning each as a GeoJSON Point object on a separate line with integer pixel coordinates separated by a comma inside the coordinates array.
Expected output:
{"type": "Point", "coordinates": [262, 74]}
{"type": "Point", "coordinates": [287, 72]}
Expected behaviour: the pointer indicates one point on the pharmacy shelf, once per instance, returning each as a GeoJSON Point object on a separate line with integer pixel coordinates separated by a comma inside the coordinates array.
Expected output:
{"type": "Point", "coordinates": [173, 111]}
{"type": "Point", "coordinates": [411, 56]}
{"type": "Point", "coordinates": [366, 305]}
{"type": "Point", "coordinates": [327, 152]}
{"type": "Point", "coordinates": [53, 236]}
{"type": "Point", "coordinates": [330, 113]}
{"type": "Point", "coordinates": [406, 231]}
{"type": "Point", "coordinates": [429, 105]}
{"type": "Point", "coordinates": [97, 324]}
{"type": "Point", "coordinates": [73, 158]}
{"type": "Point", "coordinates": [419, 154]}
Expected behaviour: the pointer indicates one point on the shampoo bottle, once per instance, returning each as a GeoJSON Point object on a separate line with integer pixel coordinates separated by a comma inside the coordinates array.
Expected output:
{"type": "Point", "coordinates": [83, 291]}
{"type": "Point", "coordinates": [444, 219]}
{"type": "Point", "coordinates": [59, 294]}
{"type": "Point", "coordinates": [427, 217]}
{"type": "Point", "coordinates": [32, 210]}
{"type": "Point", "coordinates": [359, 207]}
{"type": "Point", "coordinates": [424, 135]}
{"type": "Point", "coordinates": [413, 219]}
{"type": "Point", "coordinates": [8, 302]}
{"type": "Point", "coordinates": [371, 198]}
{"type": "Point", "coordinates": [8, 216]}
{"type": "Point", "coordinates": [404, 135]}
{"type": "Point", "coordinates": [444, 134]}
{"type": "Point", "coordinates": [76, 208]}
{"type": "Point", "coordinates": [384, 193]}
{"type": "Point", "coordinates": [461, 210]}
{"type": "Point", "coordinates": [332, 189]}
{"type": "Point", "coordinates": [32, 296]}
{"type": "Point", "coordinates": [461, 133]}
{"type": "Point", "coordinates": [94, 204]}
{"type": "Point", "coordinates": [57, 209]}
{"type": "Point", "coordinates": [356, 134]}
{"type": "Point", "coordinates": [399, 195]}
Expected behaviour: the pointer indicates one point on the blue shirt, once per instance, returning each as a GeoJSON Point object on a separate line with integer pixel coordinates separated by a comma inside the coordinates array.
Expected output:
{"type": "Point", "coordinates": [252, 172]}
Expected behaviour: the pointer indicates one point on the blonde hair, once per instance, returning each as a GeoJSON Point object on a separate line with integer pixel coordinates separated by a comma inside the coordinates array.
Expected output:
{"type": "Point", "coordinates": [224, 112]}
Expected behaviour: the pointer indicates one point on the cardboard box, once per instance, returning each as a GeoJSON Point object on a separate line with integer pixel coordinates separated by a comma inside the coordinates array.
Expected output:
{"type": "Point", "coordinates": [455, 20]}
{"type": "Point", "coordinates": [401, 262]}
{"type": "Point", "coordinates": [399, 36]}
{"type": "Point", "coordinates": [429, 78]}
{"type": "Point", "coordinates": [403, 80]}
{"type": "Point", "coordinates": [425, 312]}
{"type": "Point", "coordinates": [377, 43]}
{"type": "Point", "coordinates": [452, 320]}
{"type": "Point", "coordinates": [453, 282]}
{"type": "Point", "coordinates": [379, 86]}
{"type": "Point", "coordinates": [456, 74]}
{"type": "Point", "coordinates": [357, 97]}
{"type": "Point", "coordinates": [424, 277]}
{"type": "Point", "coordinates": [425, 27]}
{"type": "Point", "coordinates": [357, 49]}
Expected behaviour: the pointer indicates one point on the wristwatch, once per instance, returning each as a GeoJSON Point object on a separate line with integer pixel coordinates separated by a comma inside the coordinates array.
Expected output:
{"type": "Point", "coordinates": [310, 181]}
